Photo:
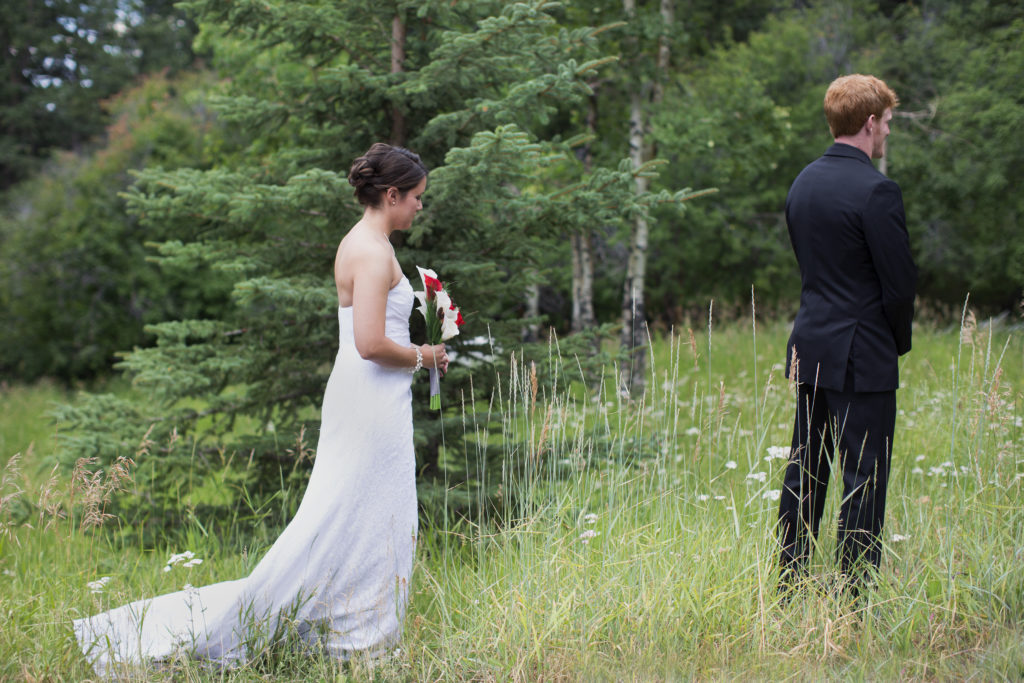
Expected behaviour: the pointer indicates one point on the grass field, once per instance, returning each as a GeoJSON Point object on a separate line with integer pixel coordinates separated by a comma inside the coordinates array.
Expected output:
{"type": "Point", "coordinates": [652, 565]}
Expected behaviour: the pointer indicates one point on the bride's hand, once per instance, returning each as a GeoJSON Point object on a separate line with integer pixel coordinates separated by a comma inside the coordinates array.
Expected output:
{"type": "Point", "coordinates": [434, 356]}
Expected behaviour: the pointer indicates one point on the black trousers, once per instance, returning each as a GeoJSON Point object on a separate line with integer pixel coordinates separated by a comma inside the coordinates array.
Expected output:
{"type": "Point", "coordinates": [858, 427]}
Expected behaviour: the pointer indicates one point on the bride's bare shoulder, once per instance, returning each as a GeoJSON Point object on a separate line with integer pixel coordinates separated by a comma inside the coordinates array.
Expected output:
{"type": "Point", "coordinates": [360, 245]}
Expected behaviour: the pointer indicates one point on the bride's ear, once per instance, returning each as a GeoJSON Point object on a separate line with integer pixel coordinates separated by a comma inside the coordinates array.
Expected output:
{"type": "Point", "coordinates": [391, 196]}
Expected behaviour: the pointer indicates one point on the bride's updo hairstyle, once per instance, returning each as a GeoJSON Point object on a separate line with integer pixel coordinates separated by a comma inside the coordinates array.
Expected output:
{"type": "Point", "coordinates": [384, 166]}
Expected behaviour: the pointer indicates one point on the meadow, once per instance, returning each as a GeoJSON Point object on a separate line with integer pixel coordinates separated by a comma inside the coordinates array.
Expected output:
{"type": "Point", "coordinates": [642, 546]}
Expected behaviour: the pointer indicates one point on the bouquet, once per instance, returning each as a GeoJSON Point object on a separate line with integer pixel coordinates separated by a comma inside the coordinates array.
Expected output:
{"type": "Point", "coordinates": [443, 322]}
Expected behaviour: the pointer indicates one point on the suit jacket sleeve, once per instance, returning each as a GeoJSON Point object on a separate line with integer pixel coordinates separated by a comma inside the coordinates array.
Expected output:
{"type": "Point", "coordinates": [885, 228]}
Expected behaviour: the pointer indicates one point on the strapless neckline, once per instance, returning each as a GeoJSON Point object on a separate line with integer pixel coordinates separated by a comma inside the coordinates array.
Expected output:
{"type": "Point", "coordinates": [393, 288]}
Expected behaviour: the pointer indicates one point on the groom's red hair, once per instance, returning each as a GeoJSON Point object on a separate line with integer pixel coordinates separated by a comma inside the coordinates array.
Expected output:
{"type": "Point", "coordinates": [850, 100]}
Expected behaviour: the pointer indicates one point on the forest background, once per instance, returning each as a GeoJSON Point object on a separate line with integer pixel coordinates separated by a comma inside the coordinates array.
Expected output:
{"type": "Point", "coordinates": [174, 183]}
{"type": "Point", "coordinates": [607, 177]}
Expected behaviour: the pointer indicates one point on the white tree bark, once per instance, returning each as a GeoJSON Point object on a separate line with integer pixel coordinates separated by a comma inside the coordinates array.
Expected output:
{"type": "Point", "coordinates": [397, 66]}
{"type": "Point", "coordinates": [634, 337]}
{"type": "Point", "coordinates": [532, 302]}
{"type": "Point", "coordinates": [582, 282]}
{"type": "Point", "coordinates": [582, 250]}
{"type": "Point", "coordinates": [641, 149]}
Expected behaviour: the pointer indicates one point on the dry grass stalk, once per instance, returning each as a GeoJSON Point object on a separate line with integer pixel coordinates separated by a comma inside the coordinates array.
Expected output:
{"type": "Point", "coordinates": [49, 507]}
{"type": "Point", "coordinates": [533, 386]}
{"type": "Point", "coordinates": [97, 489]}
{"type": "Point", "coordinates": [301, 452]}
{"type": "Point", "coordinates": [542, 442]}
{"type": "Point", "coordinates": [794, 369]}
{"type": "Point", "coordinates": [968, 328]}
{"type": "Point", "coordinates": [10, 491]}
{"type": "Point", "coordinates": [693, 346]}
{"type": "Point", "coordinates": [88, 486]}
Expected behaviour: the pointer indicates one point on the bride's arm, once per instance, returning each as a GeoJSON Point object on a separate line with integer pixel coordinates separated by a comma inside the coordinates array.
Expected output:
{"type": "Point", "coordinates": [371, 282]}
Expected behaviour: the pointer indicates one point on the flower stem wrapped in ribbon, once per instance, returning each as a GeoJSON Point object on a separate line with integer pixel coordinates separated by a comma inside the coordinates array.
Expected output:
{"type": "Point", "coordinates": [443, 322]}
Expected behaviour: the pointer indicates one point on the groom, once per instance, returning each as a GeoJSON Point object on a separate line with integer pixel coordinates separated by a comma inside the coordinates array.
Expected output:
{"type": "Point", "coordinates": [847, 227]}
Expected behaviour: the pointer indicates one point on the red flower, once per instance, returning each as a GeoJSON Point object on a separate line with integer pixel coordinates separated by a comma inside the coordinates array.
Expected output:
{"type": "Point", "coordinates": [431, 285]}
{"type": "Point", "coordinates": [458, 315]}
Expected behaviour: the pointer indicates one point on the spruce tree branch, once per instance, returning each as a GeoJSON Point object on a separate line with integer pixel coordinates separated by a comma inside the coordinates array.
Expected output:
{"type": "Point", "coordinates": [301, 243]}
{"type": "Point", "coordinates": [233, 409]}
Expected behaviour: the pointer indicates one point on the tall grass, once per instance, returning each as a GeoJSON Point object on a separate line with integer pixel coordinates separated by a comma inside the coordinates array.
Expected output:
{"type": "Point", "coordinates": [640, 544]}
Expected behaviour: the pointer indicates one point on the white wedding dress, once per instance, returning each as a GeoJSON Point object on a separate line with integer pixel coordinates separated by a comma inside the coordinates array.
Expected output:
{"type": "Point", "coordinates": [339, 573]}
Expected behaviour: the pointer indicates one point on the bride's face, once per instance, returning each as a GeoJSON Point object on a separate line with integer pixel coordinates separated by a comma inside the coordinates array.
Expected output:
{"type": "Point", "coordinates": [406, 206]}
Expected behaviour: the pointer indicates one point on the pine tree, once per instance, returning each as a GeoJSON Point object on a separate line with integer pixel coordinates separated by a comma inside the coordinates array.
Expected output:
{"type": "Point", "coordinates": [313, 84]}
{"type": "Point", "coordinates": [61, 59]}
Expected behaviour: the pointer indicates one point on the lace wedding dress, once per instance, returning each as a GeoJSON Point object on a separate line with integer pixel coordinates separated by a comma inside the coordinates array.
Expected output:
{"type": "Point", "coordinates": [338, 575]}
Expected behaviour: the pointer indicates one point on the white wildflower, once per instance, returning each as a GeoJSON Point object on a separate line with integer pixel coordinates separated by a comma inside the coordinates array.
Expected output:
{"type": "Point", "coordinates": [731, 465]}
{"type": "Point", "coordinates": [98, 585]}
{"type": "Point", "coordinates": [692, 431]}
{"type": "Point", "coordinates": [919, 458]}
{"type": "Point", "coordinates": [896, 538]}
{"type": "Point", "coordinates": [590, 518]}
{"type": "Point", "coordinates": [181, 557]}
{"type": "Point", "coordinates": [917, 470]}
{"type": "Point", "coordinates": [758, 476]}
{"type": "Point", "coordinates": [773, 494]}
{"type": "Point", "coordinates": [719, 497]}
{"type": "Point", "coordinates": [777, 453]}
{"type": "Point", "coordinates": [703, 497]}
{"type": "Point", "coordinates": [188, 558]}
{"type": "Point", "coordinates": [588, 534]}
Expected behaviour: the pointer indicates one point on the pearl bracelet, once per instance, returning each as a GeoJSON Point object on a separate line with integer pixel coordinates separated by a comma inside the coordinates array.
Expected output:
{"type": "Point", "coordinates": [419, 360]}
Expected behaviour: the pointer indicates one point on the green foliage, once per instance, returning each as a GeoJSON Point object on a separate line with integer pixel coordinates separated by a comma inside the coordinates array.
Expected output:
{"type": "Point", "coordinates": [958, 155]}
{"type": "Point", "coordinates": [62, 59]}
{"type": "Point", "coordinates": [747, 117]}
{"type": "Point", "coordinates": [478, 94]}
{"type": "Point", "coordinates": [221, 249]}
{"type": "Point", "coordinates": [77, 282]}
{"type": "Point", "coordinates": [615, 566]}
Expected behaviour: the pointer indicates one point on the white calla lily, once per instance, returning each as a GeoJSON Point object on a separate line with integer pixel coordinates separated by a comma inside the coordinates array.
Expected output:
{"type": "Point", "coordinates": [444, 302]}
{"type": "Point", "coordinates": [448, 328]}
{"type": "Point", "coordinates": [426, 271]}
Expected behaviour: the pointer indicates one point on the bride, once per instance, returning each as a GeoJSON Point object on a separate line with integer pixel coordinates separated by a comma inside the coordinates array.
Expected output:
{"type": "Point", "coordinates": [338, 576]}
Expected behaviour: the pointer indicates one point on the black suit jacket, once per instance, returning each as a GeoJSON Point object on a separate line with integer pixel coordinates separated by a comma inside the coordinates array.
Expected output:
{"type": "Point", "coordinates": [848, 230]}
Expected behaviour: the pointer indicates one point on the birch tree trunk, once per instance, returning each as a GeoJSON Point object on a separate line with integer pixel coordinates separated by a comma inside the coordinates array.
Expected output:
{"type": "Point", "coordinates": [397, 67]}
{"type": "Point", "coordinates": [531, 332]}
{"type": "Point", "coordinates": [641, 149]}
{"type": "Point", "coordinates": [582, 282]}
{"type": "Point", "coordinates": [633, 313]}
{"type": "Point", "coordinates": [583, 249]}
